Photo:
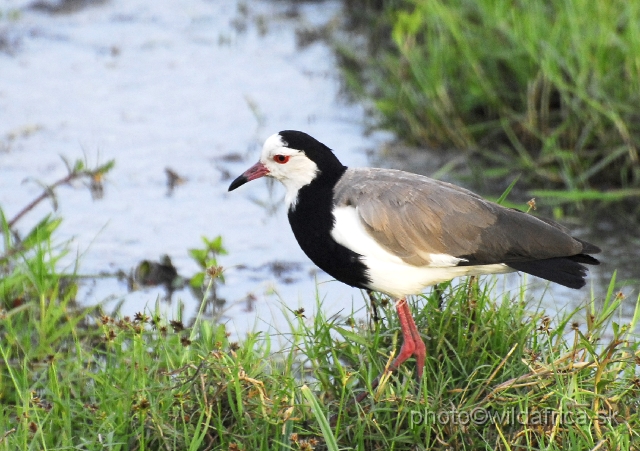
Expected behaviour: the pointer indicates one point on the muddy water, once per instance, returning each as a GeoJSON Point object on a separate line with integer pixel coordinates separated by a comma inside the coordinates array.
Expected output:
{"type": "Point", "coordinates": [194, 86]}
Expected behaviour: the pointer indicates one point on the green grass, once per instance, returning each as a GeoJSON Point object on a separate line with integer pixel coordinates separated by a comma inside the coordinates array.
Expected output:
{"type": "Point", "coordinates": [499, 373]}
{"type": "Point", "coordinates": [548, 88]}
{"type": "Point", "coordinates": [74, 378]}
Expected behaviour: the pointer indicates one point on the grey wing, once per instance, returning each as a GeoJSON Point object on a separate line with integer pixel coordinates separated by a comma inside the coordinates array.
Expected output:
{"type": "Point", "coordinates": [415, 217]}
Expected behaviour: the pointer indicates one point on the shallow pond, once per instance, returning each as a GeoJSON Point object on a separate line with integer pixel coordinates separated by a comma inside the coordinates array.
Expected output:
{"type": "Point", "coordinates": [194, 86]}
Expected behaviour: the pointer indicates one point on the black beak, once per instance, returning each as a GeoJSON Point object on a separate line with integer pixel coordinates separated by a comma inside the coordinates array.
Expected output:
{"type": "Point", "coordinates": [254, 172]}
{"type": "Point", "coordinates": [241, 180]}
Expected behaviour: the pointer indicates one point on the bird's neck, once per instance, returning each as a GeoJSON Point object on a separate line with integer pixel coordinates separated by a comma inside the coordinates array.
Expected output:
{"type": "Point", "coordinates": [320, 189]}
{"type": "Point", "coordinates": [313, 206]}
{"type": "Point", "coordinates": [312, 221]}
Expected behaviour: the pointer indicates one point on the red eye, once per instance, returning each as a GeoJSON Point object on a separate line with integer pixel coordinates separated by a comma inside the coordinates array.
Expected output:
{"type": "Point", "coordinates": [282, 159]}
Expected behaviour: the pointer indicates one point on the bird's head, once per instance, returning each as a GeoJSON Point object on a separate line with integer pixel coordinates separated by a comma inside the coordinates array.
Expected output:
{"type": "Point", "coordinates": [294, 158]}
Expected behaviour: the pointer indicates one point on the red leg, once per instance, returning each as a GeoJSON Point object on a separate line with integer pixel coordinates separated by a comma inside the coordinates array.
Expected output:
{"type": "Point", "coordinates": [420, 350]}
{"type": "Point", "coordinates": [408, 343]}
{"type": "Point", "coordinates": [412, 345]}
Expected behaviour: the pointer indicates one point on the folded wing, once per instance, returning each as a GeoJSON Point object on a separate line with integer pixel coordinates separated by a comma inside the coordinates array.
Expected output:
{"type": "Point", "coordinates": [417, 218]}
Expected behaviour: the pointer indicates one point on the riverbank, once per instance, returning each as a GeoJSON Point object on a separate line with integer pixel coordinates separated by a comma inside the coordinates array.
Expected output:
{"type": "Point", "coordinates": [500, 373]}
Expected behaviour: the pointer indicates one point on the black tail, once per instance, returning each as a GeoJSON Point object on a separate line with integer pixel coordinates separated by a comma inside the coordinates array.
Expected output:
{"type": "Point", "coordinates": [566, 271]}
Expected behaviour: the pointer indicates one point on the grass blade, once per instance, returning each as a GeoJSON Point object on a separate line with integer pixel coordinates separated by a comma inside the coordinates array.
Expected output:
{"type": "Point", "coordinates": [330, 440]}
{"type": "Point", "coordinates": [508, 190]}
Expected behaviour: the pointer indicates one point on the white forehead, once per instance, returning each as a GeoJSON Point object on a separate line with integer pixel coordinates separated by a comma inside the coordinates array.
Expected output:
{"type": "Point", "coordinates": [272, 143]}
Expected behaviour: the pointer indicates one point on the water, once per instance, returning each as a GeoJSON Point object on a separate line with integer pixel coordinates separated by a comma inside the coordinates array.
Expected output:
{"type": "Point", "coordinates": [194, 86]}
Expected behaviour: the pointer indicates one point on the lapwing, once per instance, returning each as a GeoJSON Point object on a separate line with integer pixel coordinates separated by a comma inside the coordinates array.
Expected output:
{"type": "Point", "coordinates": [397, 233]}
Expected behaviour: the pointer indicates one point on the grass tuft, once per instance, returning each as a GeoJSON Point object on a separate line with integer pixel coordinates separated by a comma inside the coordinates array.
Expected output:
{"type": "Point", "coordinates": [549, 88]}
{"type": "Point", "coordinates": [499, 375]}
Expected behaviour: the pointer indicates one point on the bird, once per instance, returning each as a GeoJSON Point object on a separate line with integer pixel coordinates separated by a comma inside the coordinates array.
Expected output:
{"type": "Point", "coordinates": [398, 233]}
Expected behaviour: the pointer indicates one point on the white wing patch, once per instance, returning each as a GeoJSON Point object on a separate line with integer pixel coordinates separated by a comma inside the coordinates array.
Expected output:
{"type": "Point", "coordinates": [389, 273]}
{"type": "Point", "coordinates": [349, 231]}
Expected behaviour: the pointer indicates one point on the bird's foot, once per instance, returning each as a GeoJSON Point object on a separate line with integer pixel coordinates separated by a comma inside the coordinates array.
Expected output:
{"type": "Point", "coordinates": [412, 345]}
